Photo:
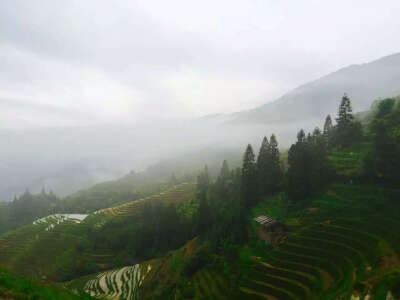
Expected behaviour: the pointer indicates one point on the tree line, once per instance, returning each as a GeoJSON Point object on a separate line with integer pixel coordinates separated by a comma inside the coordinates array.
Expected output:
{"type": "Point", "coordinates": [27, 208]}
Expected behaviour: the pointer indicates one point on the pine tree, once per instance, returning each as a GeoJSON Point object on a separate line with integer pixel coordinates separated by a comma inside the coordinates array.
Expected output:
{"type": "Point", "coordinates": [347, 129]}
{"type": "Point", "coordinates": [383, 162]}
{"type": "Point", "coordinates": [225, 173]}
{"type": "Point", "coordinates": [308, 167]}
{"type": "Point", "coordinates": [301, 136]}
{"type": "Point", "coordinates": [298, 171]}
{"type": "Point", "coordinates": [262, 167]}
{"type": "Point", "coordinates": [328, 131]}
{"type": "Point", "coordinates": [275, 171]}
{"type": "Point", "coordinates": [345, 116]}
{"type": "Point", "coordinates": [203, 183]}
{"type": "Point", "coordinates": [328, 126]}
{"type": "Point", "coordinates": [204, 211]}
{"type": "Point", "coordinates": [262, 154]}
{"type": "Point", "coordinates": [222, 183]}
{"type": "Point", "coordinates": [249, 178]}
{"type": "Point", "coordinates": [319, 171]}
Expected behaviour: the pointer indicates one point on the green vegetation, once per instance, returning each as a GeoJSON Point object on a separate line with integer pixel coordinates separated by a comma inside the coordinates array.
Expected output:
{"type": "Point", "coordinates": [308, 170]}
{"type": "Point", "coordinates": [383, 161]}
{"type": "Point", "coordinates": [349, 164]}
{"type": "Point", "coordinates": [27, 208]}
{"type": "Point", "coordinates": [14, 287]}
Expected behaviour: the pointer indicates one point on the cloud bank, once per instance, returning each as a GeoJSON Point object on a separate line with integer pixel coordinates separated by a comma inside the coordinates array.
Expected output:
{"type": "Point", "coordinates": [77, 63]}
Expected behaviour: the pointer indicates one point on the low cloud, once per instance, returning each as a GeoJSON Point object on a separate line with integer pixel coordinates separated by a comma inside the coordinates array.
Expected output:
{"type": "Point", "coordinates": [76, 63]}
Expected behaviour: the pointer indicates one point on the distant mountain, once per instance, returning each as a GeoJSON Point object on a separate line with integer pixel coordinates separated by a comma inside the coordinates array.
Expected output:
{"type": "Point", "coordinates": [314, 100]}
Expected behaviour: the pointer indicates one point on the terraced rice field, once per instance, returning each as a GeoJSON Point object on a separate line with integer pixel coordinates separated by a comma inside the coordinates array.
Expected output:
{"type": "Point", "coordinates": [209, 284]}
{"type": "Point", "coordinates": [50, 228]}
{"type": "Point", "coordinates": [56, 219]}
{"type": "Point", "coordinates": [16, 242]}
{"type": "Point", "coordinates": [174, 195]}
{"type": "Point", "coordinates": [333, 250]}
{"type": "Point", "coordinates": [120, 284]}
{"type": "Point", "coordinates": [29, 249]}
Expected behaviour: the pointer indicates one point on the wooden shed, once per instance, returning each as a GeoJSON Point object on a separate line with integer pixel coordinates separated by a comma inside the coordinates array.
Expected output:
{"type": "Point", "coordinates": [271, 231]}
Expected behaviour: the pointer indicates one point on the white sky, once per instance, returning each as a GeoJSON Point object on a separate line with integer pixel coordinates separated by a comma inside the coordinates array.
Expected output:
{"type": "Point", "coordinates": [72, 63]}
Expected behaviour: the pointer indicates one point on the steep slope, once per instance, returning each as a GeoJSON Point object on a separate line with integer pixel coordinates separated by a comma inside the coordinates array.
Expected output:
{"type": "Point", "coordinates": [314, 100]}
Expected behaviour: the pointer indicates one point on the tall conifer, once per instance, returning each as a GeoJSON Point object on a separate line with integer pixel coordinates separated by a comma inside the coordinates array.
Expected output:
{"type": "Point", "coordinates": [275, 171]}
{"type": "Point", "coordinates": [347, 129]}
{"type": "Point", "coordinates": [328, 126]}
{"type": "Point", "coordinates": [224, 174]}
{"type": "Point", "coordinates": [222, 183]}
{"type": "Point", "coordinates": [249, 178]}
{"type": "Point", "coordinates": [204, 211]}
{"type": "Point", "coordinates": [262, 167]}
{"type": "Point", "coordinates": [345, 115]}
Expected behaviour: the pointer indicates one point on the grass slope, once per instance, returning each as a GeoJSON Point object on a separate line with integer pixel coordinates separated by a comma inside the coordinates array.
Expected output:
{"type": "Point", "coordinates": [14, 287]}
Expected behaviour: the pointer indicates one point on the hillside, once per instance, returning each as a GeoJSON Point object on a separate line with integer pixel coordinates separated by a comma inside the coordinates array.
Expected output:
{"type": "Point", "coordinates": [314, 100]}
{"type": "Point", "coordinates": [61, 246]}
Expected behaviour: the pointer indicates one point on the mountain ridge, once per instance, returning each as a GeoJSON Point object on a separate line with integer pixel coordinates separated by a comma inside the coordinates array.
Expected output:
{"type": "Point", "coordinates": [355, 80]}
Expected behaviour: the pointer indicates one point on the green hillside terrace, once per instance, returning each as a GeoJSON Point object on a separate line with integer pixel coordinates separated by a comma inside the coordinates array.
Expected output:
{"type": "Point", "coordinates": [342, 247]}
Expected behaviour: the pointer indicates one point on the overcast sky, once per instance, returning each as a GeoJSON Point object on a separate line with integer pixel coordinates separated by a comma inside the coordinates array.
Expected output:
{"type": "Point", "coordinates": [65, 63]}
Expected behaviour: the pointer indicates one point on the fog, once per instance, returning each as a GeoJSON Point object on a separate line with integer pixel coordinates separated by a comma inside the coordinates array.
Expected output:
{"type": "Point", "coordinates": [68, 159]}
{"type": "Point", "coordinates": [90, 90]}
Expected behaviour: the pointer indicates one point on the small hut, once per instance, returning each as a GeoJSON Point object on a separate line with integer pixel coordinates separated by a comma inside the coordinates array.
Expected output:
{"type": "Point", "coordinates": [271, 231]}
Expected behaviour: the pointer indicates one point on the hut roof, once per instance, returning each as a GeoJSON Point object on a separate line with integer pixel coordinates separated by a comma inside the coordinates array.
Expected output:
{"type": "Point", "coordinates": [265, 220]}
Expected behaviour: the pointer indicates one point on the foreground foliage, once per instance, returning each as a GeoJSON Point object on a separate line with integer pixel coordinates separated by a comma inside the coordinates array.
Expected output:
{"type": "Point", "coordinates": [14, 287]}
